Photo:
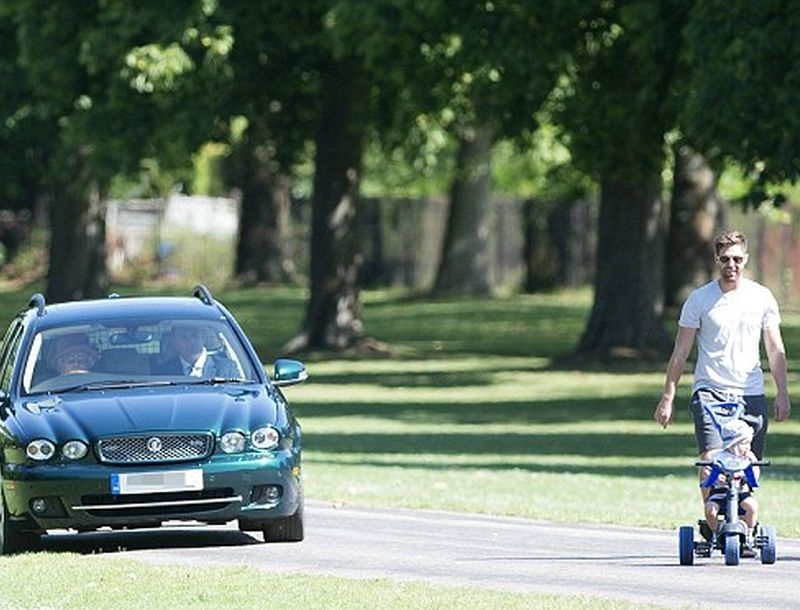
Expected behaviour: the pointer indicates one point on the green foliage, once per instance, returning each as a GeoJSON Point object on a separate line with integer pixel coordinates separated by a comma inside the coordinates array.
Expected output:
{"type": "Point", "coordinates": [745, 85]}
{"type": "Point", "coordinates": [209, 176]}
{"type": "Point", "coordinates": [538, 166]}
{"type": "Point", "coordinates": [392, 173]}
{"type": "Point", "coordinates": [616, 119]}
{"type": "Point", "coordinates": [152, 181]}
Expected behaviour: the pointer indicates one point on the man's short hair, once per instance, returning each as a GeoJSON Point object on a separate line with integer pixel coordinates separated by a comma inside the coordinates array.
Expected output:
{"type": "Point", "coordinates": [729, 238]}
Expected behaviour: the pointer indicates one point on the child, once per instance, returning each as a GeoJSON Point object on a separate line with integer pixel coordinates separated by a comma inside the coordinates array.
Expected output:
{"type": "Point", "coordinates": [736, 438]}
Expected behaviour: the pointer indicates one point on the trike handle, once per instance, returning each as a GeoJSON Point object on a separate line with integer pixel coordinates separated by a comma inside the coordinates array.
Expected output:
{"type": "Point", "coordinates": [711, 463]}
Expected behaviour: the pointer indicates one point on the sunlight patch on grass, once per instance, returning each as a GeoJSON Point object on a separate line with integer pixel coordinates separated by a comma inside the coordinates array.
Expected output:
{"type": "Point", "coordinates": [519, 386]}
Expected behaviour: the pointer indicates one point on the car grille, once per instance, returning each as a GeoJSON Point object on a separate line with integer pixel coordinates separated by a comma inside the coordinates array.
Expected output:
{"type": "Point", "coordinates": [155, 448]}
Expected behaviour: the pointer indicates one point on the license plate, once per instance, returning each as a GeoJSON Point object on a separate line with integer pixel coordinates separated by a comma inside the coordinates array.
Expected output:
{"type": "Point", "coordinates": [149, 482]}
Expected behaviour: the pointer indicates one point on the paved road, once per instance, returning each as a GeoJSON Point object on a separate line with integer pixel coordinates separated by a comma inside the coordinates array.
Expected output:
{"type": "Point", "coordinates": [492, 552]}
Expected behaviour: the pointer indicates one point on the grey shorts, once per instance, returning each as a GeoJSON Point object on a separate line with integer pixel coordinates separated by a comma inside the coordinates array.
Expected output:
{"type": "Point", "coordinates": [706, 430]}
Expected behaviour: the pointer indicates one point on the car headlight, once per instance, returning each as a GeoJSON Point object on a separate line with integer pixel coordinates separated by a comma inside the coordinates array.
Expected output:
{"type": "Point", "coordinates": [74, 450]}
{"type": "Point", "coordinates": [265, 438]}
{"type": "Point", "coordinates": [40, 450]}
{"type": "Point", "coordinates": [232, 442]}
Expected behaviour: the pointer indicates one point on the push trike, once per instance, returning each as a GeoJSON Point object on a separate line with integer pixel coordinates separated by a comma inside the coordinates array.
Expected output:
{"type": "Point", "coordinates": [731, 533]}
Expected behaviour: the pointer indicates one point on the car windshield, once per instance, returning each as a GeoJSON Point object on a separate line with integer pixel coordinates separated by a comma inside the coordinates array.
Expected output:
{"type": "Point", "coordinates": [119, 352]}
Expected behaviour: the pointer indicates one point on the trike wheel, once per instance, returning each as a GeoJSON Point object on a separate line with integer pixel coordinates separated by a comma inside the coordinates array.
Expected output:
{"type": "Point", "coordinates": [732, 550]}
{"type": "Point", "coordinates": [768, 551]}
{"type": "Point", "coordinates": [686, 545]}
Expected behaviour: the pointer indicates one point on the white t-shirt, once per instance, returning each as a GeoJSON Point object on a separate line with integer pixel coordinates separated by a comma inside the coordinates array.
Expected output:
{"type": "Point", "coordinates": [729, 332]}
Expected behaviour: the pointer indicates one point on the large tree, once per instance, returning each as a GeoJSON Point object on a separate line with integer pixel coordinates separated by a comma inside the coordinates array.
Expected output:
{"type": "Point", "coordinates": [275, 96]}
{"type": "Point", "coordinates": [98, 81]}
{"type": "Point", "coordinates": [697, 212]}
{"type": "Point", "coordinates": [617, 112]}
{"type": "Point", "coordinates": [500, 61]}
{"type": "Point", "coordinates": [333, 313]}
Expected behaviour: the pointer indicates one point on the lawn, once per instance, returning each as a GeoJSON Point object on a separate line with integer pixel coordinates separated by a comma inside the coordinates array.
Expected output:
{"type": "Point", "coordinates": [477, 409]}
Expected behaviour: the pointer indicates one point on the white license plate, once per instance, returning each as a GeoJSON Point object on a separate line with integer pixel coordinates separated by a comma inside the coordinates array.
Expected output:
{"type": "Point", "coordinates": [149, 482]}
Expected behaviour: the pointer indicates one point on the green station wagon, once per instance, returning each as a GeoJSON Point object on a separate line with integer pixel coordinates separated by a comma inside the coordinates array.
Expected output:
{"type": "Point", "coordinates": [129, 412]}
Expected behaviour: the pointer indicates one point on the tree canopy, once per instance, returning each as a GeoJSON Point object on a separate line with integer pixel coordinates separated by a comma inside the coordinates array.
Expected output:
{"type": "Point", "coordinates": [88, 90]}
{"type": "Point", "coordinates": [745, 86]}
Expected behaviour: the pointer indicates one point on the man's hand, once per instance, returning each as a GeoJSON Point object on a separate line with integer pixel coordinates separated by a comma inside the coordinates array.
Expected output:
{"type": "Point", "coordinates": [782, 407]}
{"type": "Point", "coordinates": [663, 412]}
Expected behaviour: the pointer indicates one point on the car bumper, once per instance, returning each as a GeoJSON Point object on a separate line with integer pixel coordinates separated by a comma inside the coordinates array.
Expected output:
{"type": "Point", "coordinates": [253, 488]}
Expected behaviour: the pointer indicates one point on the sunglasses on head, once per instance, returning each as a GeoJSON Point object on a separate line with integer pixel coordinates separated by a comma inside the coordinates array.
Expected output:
{"type": "Point", "coordinates": [736, 259]}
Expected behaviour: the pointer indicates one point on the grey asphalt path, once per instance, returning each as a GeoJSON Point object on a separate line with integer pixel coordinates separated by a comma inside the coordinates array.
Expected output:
{"type": "Point", "coordinates": [474, 550]}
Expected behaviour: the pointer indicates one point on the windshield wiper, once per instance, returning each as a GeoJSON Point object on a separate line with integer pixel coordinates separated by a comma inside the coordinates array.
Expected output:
{"type": "Point", "coordinates": [117, 384]}
{"type": "Point", "coordinates": [218, 380]}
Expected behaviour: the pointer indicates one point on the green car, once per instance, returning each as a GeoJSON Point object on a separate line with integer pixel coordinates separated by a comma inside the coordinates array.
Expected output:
{"type": "Point", "coordinates": [127, 412]}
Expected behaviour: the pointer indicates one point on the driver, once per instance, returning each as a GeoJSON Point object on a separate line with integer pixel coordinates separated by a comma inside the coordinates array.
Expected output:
{"type": "Point", "coordinates": [73, 354]}
{"type": "Point", "coordinates": [737, 437]}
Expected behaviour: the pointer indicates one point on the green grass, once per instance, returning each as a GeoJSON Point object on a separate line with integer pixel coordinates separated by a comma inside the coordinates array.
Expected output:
{"type": "Point", "coordinates": [473, 407]}
{"type": "Point", "coordinates": [130, 584]}
{"type": "Point", "coordinates": [476, 411]}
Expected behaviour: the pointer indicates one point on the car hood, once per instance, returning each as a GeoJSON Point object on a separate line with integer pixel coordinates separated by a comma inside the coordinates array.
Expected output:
{"type": "Point", "coordinates": [95, 414]}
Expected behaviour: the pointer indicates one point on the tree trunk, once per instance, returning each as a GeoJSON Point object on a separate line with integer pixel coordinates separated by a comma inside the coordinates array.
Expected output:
{"type": "Point", "coordinates": [697, 212]}
{"type": "Point", "coordinates": [333, 314]}
{"type": "Point", "coordinates": [262, 250]}
{"type": "Point", "coordinates": [626, 318]}
{"type": "Point", "coordinates": [466, 263]}
{"type": "Point", "coordinates": [77, 254]}
{"type": "Point", "coordinates": [539, 252]}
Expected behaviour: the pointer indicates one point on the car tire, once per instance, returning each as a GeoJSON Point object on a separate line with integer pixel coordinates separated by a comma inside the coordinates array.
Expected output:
{"type": "Point", "coordinates": [12, 540]}
{"type": "Point", "coordinates": [285, 529]}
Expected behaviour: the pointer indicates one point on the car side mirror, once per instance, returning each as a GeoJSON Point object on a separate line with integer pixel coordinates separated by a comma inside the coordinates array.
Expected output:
{"type": "Point", "coordinates": [289, 372]}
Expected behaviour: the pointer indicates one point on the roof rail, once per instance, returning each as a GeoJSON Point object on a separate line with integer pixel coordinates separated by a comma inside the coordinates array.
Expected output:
{"type": "Point", "coordinates": [37, 301]}
{"type": "Point", "coordinates": [203, 293]}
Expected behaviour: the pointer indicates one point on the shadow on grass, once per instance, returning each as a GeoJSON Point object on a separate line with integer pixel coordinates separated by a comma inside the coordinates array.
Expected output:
{"type": "Point", "coordinates": [484, 450]}
{"type": "Point", "coordinates": [527, 411]}
{"type": "Point", "coordinates": [431, 377]}
{"type": "Point", "coordinates": [485, 431]}
{"type": "Point", "coordinates": [624, 445]}
{"type": "Point", "coordinates": [421, 379]}
{"type": "Point", "coordinates": [505, 467]}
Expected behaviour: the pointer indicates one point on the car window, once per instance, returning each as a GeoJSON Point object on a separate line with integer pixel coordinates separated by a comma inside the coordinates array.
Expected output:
{"type": "Point", "coordinates": [9, 353]}
{"type": "Point", "coordinates": [140, 351]}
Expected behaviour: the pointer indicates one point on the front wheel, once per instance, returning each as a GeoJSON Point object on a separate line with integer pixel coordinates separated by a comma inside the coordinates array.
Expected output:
{"type": "Point", "coordinates": [732, 550]}
{"type": "Point", "coordinates": [285, 529]}
{"type": "Point", "coordinates": [686, 545]}
{"type": "Point", "coordinates": [768, 551]}
{"type": "Point", "coordinates": [12, 540]}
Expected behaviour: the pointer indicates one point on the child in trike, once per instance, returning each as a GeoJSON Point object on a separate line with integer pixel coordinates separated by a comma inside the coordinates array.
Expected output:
{"type": "Point", "coordinates": [731, 509]}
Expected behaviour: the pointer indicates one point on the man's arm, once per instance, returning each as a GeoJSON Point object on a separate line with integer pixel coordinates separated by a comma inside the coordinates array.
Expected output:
{"type": "Point", "coordinates": [776, 354]}
{"type": "Point", "coordinates": [677, 361]}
